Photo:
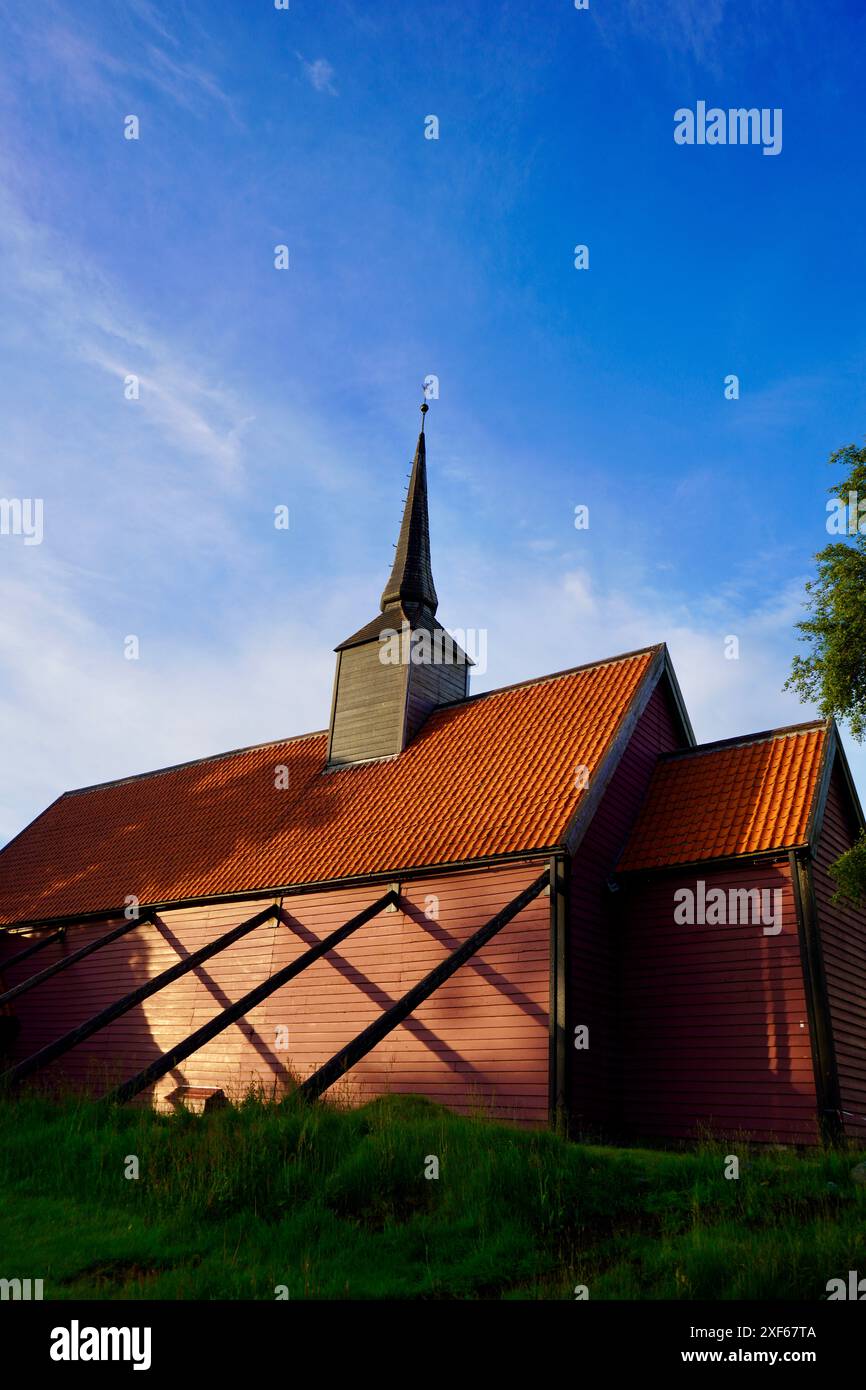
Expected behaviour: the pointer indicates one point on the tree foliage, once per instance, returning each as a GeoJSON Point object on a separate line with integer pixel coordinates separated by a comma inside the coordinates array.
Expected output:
{"type": "Point", "coordinates": [849, 873]}
{"type": "Point", "coordinates": [832, 673]}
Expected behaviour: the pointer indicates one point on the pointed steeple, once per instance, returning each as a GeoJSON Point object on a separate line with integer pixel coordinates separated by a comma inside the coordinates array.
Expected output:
{"type": "Point", "coordinates": [411, 581]}
{"type": "Point", "coordinates": [397, 669]}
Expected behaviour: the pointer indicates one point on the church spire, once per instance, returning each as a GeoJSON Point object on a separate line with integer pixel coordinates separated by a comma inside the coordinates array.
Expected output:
{"type": "Point", "coordinates": [397, 669]}
{"type": "Point", "coordinates": [411, 580]}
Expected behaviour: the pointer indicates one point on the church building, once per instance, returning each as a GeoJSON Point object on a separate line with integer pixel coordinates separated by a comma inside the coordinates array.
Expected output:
{"type": "Point", "coordinates": [544, 902]}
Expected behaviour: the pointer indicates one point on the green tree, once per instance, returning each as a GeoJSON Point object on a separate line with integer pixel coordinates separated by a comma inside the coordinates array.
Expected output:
{"type": "Point", "coordinates": [832, 674]}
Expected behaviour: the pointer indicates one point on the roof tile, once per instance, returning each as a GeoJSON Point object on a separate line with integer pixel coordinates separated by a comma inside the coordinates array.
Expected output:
{"type": "Point", "coordinates": [492, 775]}
{"type": "Point", "coordinates": [727, 800]}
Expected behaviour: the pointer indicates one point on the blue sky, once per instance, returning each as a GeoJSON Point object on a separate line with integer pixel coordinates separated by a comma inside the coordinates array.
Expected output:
{"type": "Point", "coordinates": [410, 257]}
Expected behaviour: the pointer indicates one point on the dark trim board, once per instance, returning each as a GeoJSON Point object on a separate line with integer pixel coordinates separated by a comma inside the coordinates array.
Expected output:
{"type": "Point", "coordinates": [822, 791]}
{"type": "Point", "coordinates": [744, 740]}
{"type": "Point", "coordinates": [658, 670]}
{"type": "Point", "coordinates": [517, 857]}
{"type": "Point", "coordinates": [555, 675]}
{"type": "Point", "coordinates": [730, 861]}
{"type": "Point", "coordinates": [333, 707]}
{"type": "Point", "coordinates": [834, 755]}
{"type": "Point", "coordinates": [557, 1006]}
{"type": "Point", "coordinates": [678, 700]}
{"type": "Point", "coordinates": [598, 785]}
{"type": "Point", "coordinates": [817, 1001]}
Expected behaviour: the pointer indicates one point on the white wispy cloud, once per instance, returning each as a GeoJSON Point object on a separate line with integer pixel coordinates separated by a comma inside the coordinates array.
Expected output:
{"type": "Point", "coordinates": [319, 74]}
{"type": "Point", "coordinates": [571, 618]}
{"type": "Point", "coordinates": [184, 83]}
{"type": "Point", "coordinates": [77, 61]}
{"type": "Point", "coordinates": [151, 15]}
{"type": "Point", "coordinates": [69, 298]}
{"type": "Point", "coordinates": [73, 710]}
{"type": "Point", "coordinates": [189, 413]}
{"type": "Point", "coordinates": [686, 28]}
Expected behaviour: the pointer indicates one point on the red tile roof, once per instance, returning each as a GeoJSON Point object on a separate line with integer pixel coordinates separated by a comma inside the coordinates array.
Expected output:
{"type": "Point", "coordinates": [729, 799]}
{"type": "Point", "coordinates": [492, 775]}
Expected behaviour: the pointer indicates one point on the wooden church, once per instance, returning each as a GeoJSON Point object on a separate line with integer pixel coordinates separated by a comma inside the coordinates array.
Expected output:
{"type": "Point", "coordinates": [544, 902]}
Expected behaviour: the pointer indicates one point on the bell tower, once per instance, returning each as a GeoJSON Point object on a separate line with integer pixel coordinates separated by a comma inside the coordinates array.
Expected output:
{"type": "Point", "coordinates": [403, 663]}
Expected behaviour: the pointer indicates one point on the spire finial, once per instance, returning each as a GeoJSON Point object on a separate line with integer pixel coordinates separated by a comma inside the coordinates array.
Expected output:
{"type": "Point", "coordinates": [411, 580]}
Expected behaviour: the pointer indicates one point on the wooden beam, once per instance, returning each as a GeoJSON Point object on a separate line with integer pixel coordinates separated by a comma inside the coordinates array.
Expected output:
{"type": "Point", "coordinates": [31, 950]}
{"type": "Point", "coordinates": [76, 956]}
{"type": "Point", "coordinates": [129, 1001]}
{"type": "Point", "coordinates": [203, 1035]}
{"type": "Point", "coordinates": [347, 1057]}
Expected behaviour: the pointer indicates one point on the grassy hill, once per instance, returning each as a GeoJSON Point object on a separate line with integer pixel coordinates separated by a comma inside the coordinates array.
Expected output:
{"type": "Point", "coordinates": [334, 1203]}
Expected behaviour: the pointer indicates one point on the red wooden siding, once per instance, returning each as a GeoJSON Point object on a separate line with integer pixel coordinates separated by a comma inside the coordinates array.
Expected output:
{"type": "Point", "coordinates": [592, 1000]}
{"type": "Point", "coordinates": [843, 942]}
{"type": "Point", "coordinates": [481, 1038]}
{"type": "Point", "coordinates": [715, 1031]}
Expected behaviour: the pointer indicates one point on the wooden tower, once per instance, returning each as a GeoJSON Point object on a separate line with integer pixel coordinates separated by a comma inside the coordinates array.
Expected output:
{"type": "Point", "coordinates": [397, 668]}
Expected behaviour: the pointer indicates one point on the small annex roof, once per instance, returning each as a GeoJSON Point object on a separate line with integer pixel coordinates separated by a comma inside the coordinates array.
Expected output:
{"type": "Point", "coordinates": [485, 778]}
{"type": "Point", "coordinates": [722, 800]}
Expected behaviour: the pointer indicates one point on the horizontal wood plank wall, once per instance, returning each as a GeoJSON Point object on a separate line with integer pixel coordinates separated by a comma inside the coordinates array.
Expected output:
{"type": "Point", "coordinates": [842, 931]}
{"type": "Point", "coordinates": [714, 1018]}
{"type": "Point", "coordinates": [480, 1040]}
{"type": "Point", "coordinates": [136, 1039]}
{"type": "Point", "coordinates": [592, 988]}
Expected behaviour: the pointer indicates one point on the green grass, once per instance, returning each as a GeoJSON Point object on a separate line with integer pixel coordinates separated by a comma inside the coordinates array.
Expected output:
{"type": "Point", "coordinates": [333, 1203]}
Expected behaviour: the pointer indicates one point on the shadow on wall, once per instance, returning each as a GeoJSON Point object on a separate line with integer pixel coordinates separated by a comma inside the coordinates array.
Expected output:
{"type": "Point", "coordinates": [482, 1039]}
{"type": "Point", "coordinates": [140, 1036]}
{"type": "Point", "coordinates": [715, 1034]}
